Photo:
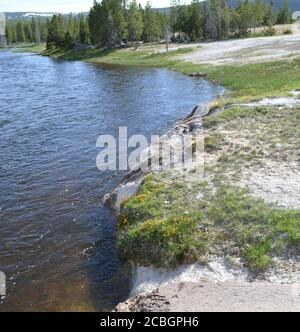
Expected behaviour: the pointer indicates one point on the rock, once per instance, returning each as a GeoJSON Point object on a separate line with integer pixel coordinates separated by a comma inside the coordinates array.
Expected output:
{"type": "Point", "coordinates": [295, 92]}
{"type": "Point", "coordinates": [202, 110]}
{"type": "Point", "coordinates": [198, 75]}
{"type": "Point", "coordinates": [122, 193]}
{"type": "Point", "coordinates": [152, 302]}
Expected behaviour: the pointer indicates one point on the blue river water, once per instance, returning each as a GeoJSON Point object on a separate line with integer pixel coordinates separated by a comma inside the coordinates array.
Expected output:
{"type": "Point", "coordinates": [57, 244]}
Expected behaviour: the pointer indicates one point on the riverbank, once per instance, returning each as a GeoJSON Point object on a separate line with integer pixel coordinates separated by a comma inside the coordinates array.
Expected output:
{"type": "Point", "coordinates": [246, 208]}
{"type": "Point", "coordinates": [242, 143]}
{"type": "Point", "coordinates": [245, 81]}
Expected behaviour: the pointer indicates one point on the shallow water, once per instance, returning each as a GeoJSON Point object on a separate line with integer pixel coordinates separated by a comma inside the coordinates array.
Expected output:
{"type": "Point", "coordinates": [57, 244]}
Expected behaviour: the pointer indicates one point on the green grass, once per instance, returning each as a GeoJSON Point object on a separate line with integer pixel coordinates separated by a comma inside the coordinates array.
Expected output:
{"type": "Point", "coordinates": [153, 232]}
{"type": "Point", "coordinates": [257, 228]}
{"type": "Point", "coordinates": [161, 226]}
{"type": "Point", "coordinates": [29, 48]}
{"type": "Point", "coordinates": [128, 57]}
{"type": "Point", "coordinates": [237, 113]}
{"type": "Point", "coordinates": [213, 142]}
{"type": "Point", "coordinates": [258, 80]}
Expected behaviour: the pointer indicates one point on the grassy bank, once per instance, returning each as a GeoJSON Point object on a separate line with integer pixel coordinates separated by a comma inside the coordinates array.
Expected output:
{"type": "Point", "coordinates": [165, 226]}
{"type": "Point", "coordinates": [245, 82]}
{"type": "Point", "coordinates": [174, 221]}
{"type": "Point", "coordinates": [28, 48]}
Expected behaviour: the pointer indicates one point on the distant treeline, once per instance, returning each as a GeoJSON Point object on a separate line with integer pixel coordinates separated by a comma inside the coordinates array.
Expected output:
{"type": "Point", "coordinates": [112, 23]}
{"type": "Point", "coordinates": [26, 32]}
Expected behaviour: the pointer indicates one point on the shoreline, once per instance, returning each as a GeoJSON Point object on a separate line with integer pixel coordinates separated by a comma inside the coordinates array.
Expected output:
{"type": "Point", "coordinates": [235, 114]}
{"type": "Point", "coordinates": [259, 262]}
{"type": "Point", "coordinates": [152, 286]}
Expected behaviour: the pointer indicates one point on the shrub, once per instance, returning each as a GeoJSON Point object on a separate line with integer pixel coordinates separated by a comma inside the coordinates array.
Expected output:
{"type": "Point", "coordinates": [270, 31]}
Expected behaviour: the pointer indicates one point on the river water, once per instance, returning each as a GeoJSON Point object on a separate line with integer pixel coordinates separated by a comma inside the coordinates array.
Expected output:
{"type": "Point", "coordinates": [57, 244]}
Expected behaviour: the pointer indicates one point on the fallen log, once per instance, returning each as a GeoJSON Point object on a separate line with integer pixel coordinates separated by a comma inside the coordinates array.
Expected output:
{"type": "Point", "coordinates": [198, 75]}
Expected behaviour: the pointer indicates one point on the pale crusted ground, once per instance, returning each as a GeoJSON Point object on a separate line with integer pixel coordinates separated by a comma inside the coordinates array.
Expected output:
{"type": "Point", "coordinates": [277, 183]}
{"type": "Point", "coordinates": [282, 102]}
{"type": "Point", "coordinates": [252, 50]}
{"type": "Point", "coordinates": [266, 150]}
{"type": "Point", "coordinates": [217, 297]}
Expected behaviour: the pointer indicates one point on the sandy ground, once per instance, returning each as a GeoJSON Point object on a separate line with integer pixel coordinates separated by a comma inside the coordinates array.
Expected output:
{"type": "Point", "coordinates": [217, 297]}
{"type": "Point", "coordinates": [246, 51]}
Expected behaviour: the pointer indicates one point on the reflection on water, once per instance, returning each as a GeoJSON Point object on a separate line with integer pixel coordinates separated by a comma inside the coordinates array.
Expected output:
{"type": "Point", "coordinates": [57, 244]}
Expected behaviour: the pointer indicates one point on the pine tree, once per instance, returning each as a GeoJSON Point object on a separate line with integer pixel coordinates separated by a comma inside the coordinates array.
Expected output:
{"type": "Point", "coordinates": [68, 40]}
{"type": "Point", "coordinates": [56, 32]}
{"type": "Point", "coordinates": [225, 19]}
{"type": "Point", "coordinates": [20, 34]}
{"type": "Point", "coordinates": [83, 30]}
{"type": "Point", "coordinates": [285, 14]}
{"type": "Point", "coordinates": [148, 30]}
{"type": "Point", "coordinates": [257, 12]}
{"type": "Point", "coordinates": [135, 22]}
{"type": "Point", "coordinates": [107, 23]}
{"type": "Point", "coordinates": [35, 32]}
{"type": "Point", "coordinates": [153, 24]}
{"type": "Point", "coordinates": [183, 20]}
{"type": "Point", "coordinates": [243, 18]}
{"type": "Point", "coordinates": [195, 20]}
{"type": "Point", "coordinates": [269, 17]}
{"type": "Point", "coordinates": [71, 25]}
{"type": "Point", "coordinates": [213, 21]}
{"type": "Point", "coordinates": [43, 31]}
{"type": "Point", "coordinates": [95, 24]}
{"type": "Point", "coordinates": [28, 34]}
{"type": "Point", "coordinates": [174, 17]}
{"type": "Point", "coordinates": [11, 35]}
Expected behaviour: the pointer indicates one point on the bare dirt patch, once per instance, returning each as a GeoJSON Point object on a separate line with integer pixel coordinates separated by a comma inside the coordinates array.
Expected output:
{"type": "Point", "coordinates": [252, 50]}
